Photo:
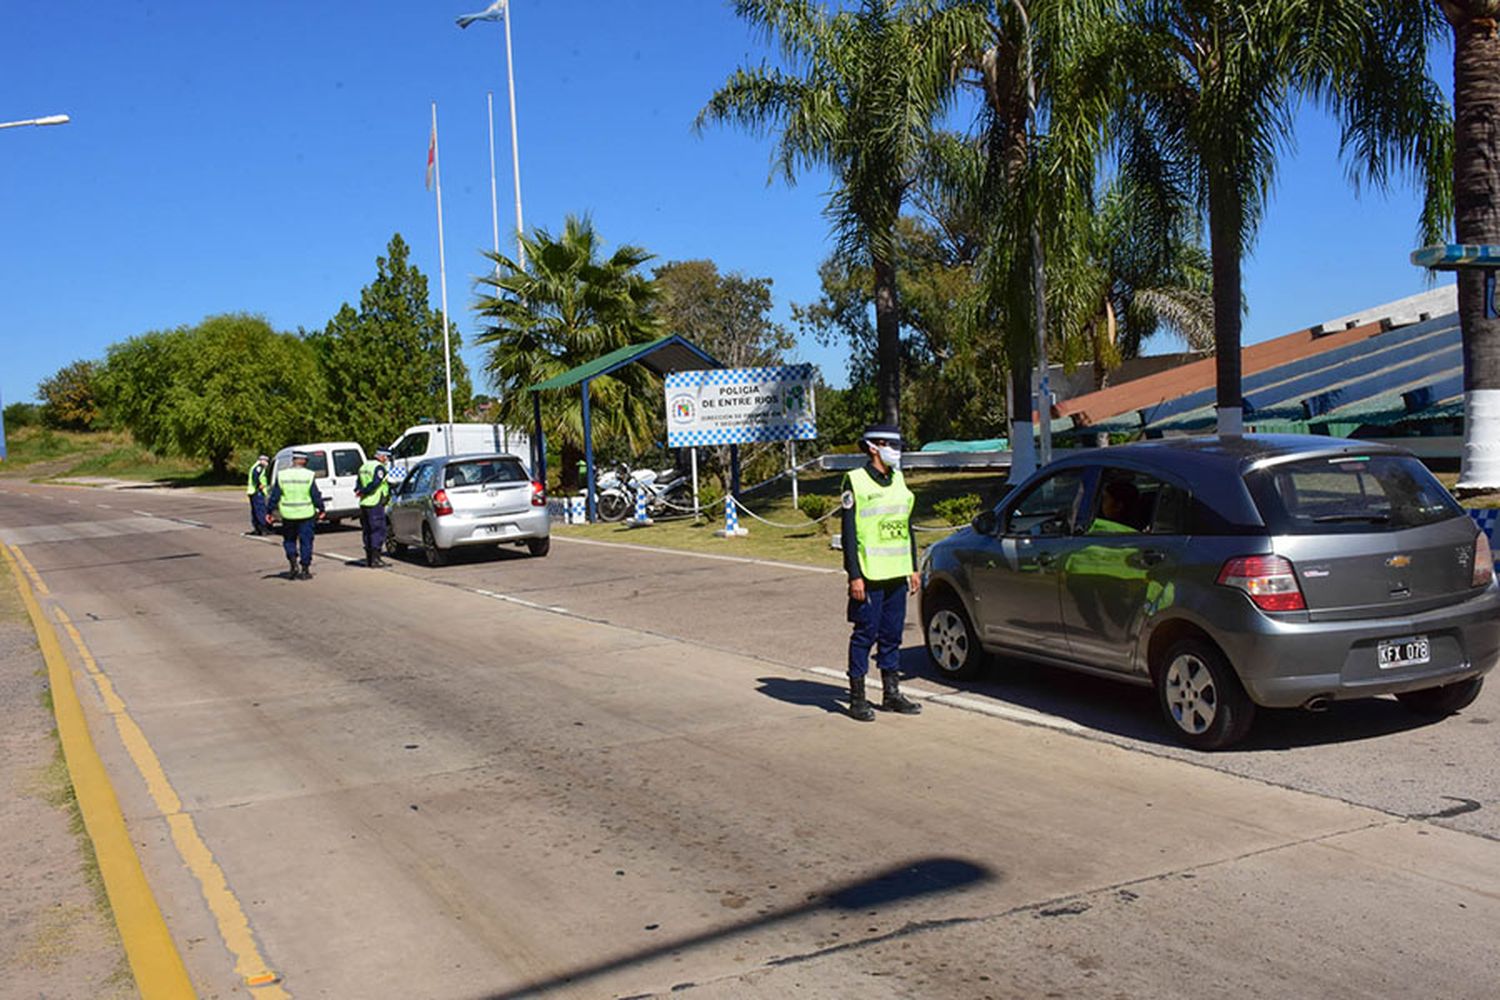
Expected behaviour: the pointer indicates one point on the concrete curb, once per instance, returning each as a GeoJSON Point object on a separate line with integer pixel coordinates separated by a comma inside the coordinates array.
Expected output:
{"type": "Point", "coordinates": [154, 960]}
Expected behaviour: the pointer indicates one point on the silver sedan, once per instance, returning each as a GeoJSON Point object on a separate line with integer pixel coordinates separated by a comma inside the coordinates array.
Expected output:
{"type": "Point", "coordinates": [457, 501]}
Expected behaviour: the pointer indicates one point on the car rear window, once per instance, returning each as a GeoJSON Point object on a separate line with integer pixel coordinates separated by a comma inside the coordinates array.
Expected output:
{"type": "Point", "coordinates": [484, 470]}
{"type": "Point", "coordinates": [1349, 494]}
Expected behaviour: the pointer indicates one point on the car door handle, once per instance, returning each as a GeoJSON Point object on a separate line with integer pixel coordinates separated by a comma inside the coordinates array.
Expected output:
{"type": "Point", "coordinates": [1151, 557]}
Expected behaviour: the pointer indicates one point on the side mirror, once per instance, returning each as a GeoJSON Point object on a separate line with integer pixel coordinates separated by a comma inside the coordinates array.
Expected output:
{"type": "Point", "coordinates": [986, 523]}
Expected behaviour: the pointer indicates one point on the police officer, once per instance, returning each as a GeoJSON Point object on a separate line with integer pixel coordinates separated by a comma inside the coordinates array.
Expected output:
{"type": "Point", "coordinates": [257, 485]}
{"type": "Point", "coordinates": [373, 492]}
{"type": "Point", "coordinates": [295, 500]}
{"type": "Point", "coordinates": [880, 558]}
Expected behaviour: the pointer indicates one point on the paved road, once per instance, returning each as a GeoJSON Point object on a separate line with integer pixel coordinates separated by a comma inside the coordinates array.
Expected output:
{"type": "Point", "coordinates": [616, 773]}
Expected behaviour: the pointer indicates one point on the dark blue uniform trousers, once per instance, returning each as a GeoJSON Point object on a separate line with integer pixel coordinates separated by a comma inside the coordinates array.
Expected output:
{"type": "Point", "coordinates": [258, 512]}
{"type": "Point", "coordinates": [372, 526]}
{"type": "Point", "coordinates": [878, 621]}
{"type": "Point", "coordinates": [299, 535]}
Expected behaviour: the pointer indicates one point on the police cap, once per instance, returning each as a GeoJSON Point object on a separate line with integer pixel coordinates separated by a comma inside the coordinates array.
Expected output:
{"type": "Point", "coordinates": [883, 434]}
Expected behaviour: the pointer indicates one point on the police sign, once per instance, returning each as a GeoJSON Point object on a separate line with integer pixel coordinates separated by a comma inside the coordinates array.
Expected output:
{"type": "Point", "coordinates": [740, 405]}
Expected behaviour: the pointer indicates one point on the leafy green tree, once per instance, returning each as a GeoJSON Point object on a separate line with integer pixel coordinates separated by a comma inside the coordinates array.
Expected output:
{"type": "Point", "coordinates": [136, 384]}
{"type": "Point", "coordinates": [1208, 88]}
{"type": "Point", "coordinates": [18, 415]}
{"type": "Point", "coordinates": [1476, 199]}
{"type": "Point", "coordinates": [728, 315]}
{"type": "Point", "coordinates": [383, 362]}
{"type": "Point", "coordinates": [569, 305]}
{"type": "Point", "coordinates": [859, 97]}
{"type": "Point", "coordinates": [69, 401]}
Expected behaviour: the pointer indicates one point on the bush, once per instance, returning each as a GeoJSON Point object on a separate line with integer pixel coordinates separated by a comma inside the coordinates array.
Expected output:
{"type": "Point", "coordinates": [18, 415]}
{"type": "Point", "coordinates": [958, 510]}
{"type": "Point", "coordinates": [815, 506]}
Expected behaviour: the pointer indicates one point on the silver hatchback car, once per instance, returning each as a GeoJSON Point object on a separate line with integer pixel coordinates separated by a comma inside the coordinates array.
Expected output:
{"type": "Point", "coordinates": [464, 500]}
{"type": "Point", "coordinates": [1280, 571]}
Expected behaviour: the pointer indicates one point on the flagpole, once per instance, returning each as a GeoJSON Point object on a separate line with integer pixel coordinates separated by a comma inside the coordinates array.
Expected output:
{"type": "Point", "coordinates": [515, 152]}
{"type": "Point", "coordinates": [489, 99]}
{"type": "Point", "coordinates": [437, 174]}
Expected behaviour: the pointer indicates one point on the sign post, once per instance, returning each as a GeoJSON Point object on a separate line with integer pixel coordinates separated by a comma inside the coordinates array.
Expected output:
{"type": "Point", "coordinates": [733, 406]}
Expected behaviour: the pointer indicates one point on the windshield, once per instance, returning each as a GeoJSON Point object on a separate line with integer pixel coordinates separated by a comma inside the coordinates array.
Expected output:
{"type": "Point", "coordinates": [1348, 494]}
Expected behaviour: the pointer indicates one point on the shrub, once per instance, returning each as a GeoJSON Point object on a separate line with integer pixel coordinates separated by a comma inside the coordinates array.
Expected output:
{"type": "Point", "coordinates": [815, 506]}
{"type": "Point", "coordinates": [958, 510]}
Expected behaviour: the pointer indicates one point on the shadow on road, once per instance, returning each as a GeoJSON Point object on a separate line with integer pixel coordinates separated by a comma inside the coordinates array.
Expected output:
{"type": "Point", "coordinates": [927, 877]}
{"type": "Point", "coordinates": [796, 691]}
{"type": "Point", "coordinates": [1132, 712]}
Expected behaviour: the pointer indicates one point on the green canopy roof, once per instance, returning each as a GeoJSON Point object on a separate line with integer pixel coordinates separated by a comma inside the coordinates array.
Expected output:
{"type": "Point", "coordinates": [668, 354]}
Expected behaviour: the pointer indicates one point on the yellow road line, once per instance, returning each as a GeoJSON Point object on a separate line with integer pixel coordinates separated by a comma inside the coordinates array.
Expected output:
{"type": "Point", "coordinates": [154, 960]}
{"type": "Point", "coordinates": [36, 580]}
{"type": "Point", "coordinates": [234, 927]}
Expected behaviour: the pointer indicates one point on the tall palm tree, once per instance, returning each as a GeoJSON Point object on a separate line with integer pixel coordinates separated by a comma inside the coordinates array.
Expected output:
{"type": "Point", "coordinates": [566, 307]}
{"type": "Point", "coordinates": [1216, 84]}
{"type": "Point", "coordinates": [1476, 202]}
{"type": "Point", "coordinates": [859, 97]}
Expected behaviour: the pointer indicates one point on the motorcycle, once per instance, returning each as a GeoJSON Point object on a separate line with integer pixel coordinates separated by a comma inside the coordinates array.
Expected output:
{"type": "Point", "coordinates": [667, 492]}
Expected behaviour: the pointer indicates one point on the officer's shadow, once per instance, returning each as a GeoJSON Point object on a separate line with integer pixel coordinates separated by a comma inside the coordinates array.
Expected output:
{"type": "Point", "coordinates": [830, 698]}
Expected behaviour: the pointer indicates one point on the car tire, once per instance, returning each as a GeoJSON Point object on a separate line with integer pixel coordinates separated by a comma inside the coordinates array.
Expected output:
{"type": "Point", "coordinates": [393, 547]}
{"type": "Point", "coordinates": [539, 547]}
{"type": "Point", "coordinates": [1202, 697]}
{"type": "Point", "coordinates": [612, 506]}
{"type": "Point", "coordinates": [1440, 701]}
{"type": "Point", "coordinates": [435, 556]}
{"type": "Point", "coordinates": [953, 647]}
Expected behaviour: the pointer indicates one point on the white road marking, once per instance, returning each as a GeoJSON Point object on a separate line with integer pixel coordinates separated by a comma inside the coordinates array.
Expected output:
{"type": "Point", "coordinates": [86, 529]}
{"type": "Point", "coordinates": [104, 505]}
{"type": "Point", "coordinates": [697, 555]}
{"type": "Point", "coordinates": [73, 502]}
{"type": "Point", "coordinates": [971, 704]}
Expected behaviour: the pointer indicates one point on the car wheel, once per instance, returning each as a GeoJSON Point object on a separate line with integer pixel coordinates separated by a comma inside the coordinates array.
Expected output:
{"type": "Point", "coordinates": [1202, 697]}
{"type": "Point", "coordinates": [1443, 700]}
{"type": "Point", "coordinates": [952, 647]}
{"type": "Point", "coordinates": [393, 547]}
{"type": "Point", "coordinates": [435, 556]}
{"type": "Point", "coordinates": [539, 546]}
{"type": "Point", "coordinates": [612, 506]}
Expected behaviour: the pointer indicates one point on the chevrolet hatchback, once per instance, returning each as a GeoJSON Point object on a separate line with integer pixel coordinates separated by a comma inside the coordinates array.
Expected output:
{"type": "Point", "coordinates": [460, 501]}
{"type": "Point", "coordinates": [1227, 573]}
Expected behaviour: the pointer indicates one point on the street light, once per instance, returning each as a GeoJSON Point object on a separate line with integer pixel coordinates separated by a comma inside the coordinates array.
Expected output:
{"type": "Point", "coordinates": [49, 120]}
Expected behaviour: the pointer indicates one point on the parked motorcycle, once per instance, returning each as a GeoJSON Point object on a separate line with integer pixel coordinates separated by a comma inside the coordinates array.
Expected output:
{"type": "Point", "coordinates": [667, 492]}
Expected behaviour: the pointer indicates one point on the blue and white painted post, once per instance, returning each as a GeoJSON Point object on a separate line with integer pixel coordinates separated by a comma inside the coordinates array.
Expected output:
{"type": "Point", "coordinates": [732, 527]}
{"type": "Point", "coordinates": [642, 519]}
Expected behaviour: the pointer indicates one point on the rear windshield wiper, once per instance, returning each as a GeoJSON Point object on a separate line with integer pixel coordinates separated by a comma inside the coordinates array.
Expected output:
{"type": "Point", "coordinates": [1339, 518]}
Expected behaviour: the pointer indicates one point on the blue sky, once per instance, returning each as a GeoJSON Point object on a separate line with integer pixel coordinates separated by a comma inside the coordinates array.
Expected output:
{"type": "Point", "coordinates": [258, 157]}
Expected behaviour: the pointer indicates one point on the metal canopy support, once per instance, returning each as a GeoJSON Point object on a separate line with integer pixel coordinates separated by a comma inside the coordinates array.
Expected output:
{"type": "Point", "coordinates": [588, 454]}
{"type": "Point", "coordinates": [539, 442]}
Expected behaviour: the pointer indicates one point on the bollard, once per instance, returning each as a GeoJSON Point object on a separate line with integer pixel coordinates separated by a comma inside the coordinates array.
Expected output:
{"type": "Point", "coordinates": [732, 527]}
{"type": "Point", "coordinates": [641, 519]}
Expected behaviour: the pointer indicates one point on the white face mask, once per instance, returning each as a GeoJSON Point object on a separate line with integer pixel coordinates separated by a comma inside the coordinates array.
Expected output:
{"type": "Point", "coordinates": [890, 456]}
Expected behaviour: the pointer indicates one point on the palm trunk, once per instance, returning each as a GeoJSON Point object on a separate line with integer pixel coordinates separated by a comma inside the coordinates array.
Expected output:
{"type": "Point", "coordinates": [1225, 226]}
{"type": "Point", "coordinates": [887, 341]}
{"type": "Point", "coordinates": [1476, 202]}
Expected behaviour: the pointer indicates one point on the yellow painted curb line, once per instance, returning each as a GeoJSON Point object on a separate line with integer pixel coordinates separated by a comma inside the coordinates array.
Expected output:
{"type": "Point", "coordinates": [154, 960]}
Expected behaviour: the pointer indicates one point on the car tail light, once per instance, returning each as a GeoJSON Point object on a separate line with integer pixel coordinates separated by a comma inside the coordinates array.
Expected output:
{"type": "Point", "coordinates": [1484, 561]}
{"type": "Point", "coordinates": [1269, 580]}
{"type": "Point", "coordinates": [538, 494]}
{"type": "Point", "coordinates": [440, 504]}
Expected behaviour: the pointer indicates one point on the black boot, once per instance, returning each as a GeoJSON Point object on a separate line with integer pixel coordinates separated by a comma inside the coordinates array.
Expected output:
{"type": "Point", "coordinates": [306, 574]}
{"type": "Point", "coordinates": [894, 700]}
{"type": "Point", "coordinates": [291, 567]}
{"type": "Point", "coordinates": [376, 561]}
{"type": "Point", "coordinates": [370, 558]}
{"type": "Point", "coordinates": [859, 708]}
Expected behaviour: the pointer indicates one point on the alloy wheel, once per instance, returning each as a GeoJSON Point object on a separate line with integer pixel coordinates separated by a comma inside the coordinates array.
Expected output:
{"type": "Point", "coordinates": [948, 640]}
{"type": "Point", "coordinates": [1191, 695]}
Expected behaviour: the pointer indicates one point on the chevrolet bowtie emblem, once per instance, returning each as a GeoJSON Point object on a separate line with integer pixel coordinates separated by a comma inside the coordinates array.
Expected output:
{"type": "Point", "coordinates": [1398, 562]}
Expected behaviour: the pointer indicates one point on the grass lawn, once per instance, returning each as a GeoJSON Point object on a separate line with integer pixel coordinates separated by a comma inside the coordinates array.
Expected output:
{"type": "Point", "coordinates": [806, 543]}
{"type": "Point", "coordinates": [39, 454]}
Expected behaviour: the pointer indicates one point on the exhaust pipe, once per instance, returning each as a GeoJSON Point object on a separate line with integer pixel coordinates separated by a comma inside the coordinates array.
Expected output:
{"type": "Point", "coordinates": [1318, 703]}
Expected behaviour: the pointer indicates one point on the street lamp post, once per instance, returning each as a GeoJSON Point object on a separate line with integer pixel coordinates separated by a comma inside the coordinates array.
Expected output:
{"type": "Point", "coordinates": [48, 120]}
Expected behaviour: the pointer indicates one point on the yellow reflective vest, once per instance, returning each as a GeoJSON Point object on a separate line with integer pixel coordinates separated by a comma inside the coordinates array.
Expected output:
{"type": "Point", "coordinates": [882, 525]}
{"type": "Point", "coordinates": [257, 481]}
{"type": "Point", "coordinates": [296, 494]}
{"type": "Point", "coordinates": [377, 497]}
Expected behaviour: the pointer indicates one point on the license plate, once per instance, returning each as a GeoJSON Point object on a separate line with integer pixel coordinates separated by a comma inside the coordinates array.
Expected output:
{"type": "Point", "coordinates": [1406, 652]}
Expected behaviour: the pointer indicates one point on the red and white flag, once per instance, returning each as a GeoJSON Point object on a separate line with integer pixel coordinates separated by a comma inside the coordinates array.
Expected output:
{"type": "Point", "coordinates": [431, 156]}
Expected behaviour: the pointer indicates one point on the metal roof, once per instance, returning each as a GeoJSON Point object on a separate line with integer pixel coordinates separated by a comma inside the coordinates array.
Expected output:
{"type": "Point", "coordinates": [674, 353]}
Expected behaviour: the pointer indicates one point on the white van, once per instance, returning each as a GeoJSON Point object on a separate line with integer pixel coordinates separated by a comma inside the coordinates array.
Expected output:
{"type": "Point", "coordinates": [335, 468]}
{"type": "Point", "coordinates": [437, 440]}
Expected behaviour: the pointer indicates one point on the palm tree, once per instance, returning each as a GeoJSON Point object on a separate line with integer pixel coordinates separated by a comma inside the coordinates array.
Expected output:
{"type": "Point", "coordinates": [1215, 84]}
{"type": "Point", "coordinates": [564, 308]}
{"type": "Point", "coordinates": [859, 98]}
{"type": "Point", "coordinates": [1476, 201]}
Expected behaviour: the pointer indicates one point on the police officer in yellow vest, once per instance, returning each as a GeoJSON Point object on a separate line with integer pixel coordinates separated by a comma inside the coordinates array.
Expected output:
{"type": "Point", "coordinates": [257, 485]}
{"type": "Point", "coordinates": [880, 558]}
{"type": "Point", "coordinates": [296, 502]}
{"type": "Point", "coordinates": [373, 492]}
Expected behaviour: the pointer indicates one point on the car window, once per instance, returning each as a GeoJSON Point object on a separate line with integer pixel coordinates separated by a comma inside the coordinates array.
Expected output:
{"type": "Point", "coordinates": [1348, 494]}
{"type": "Point", "coordinates": [484, 471]}
{"type": "Point", "coordinates": [317, 461]}
{"type": "Point", "coordinates": [412, 444]}
{"type": "Point", "coordinates": [346, 462]}
{"type": "Point", "coordinates": [1048, 508]}
{"type": "Point", "coordinates": [1173, 506]}
{"type": "Point", "coordinates": [419, 482]}
{"type": "Point", "coordinates": [1124, 503]}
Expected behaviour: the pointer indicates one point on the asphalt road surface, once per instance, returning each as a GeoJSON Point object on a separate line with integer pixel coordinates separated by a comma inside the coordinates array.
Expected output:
{"type": "Point", "coordinates": [620, 773]}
